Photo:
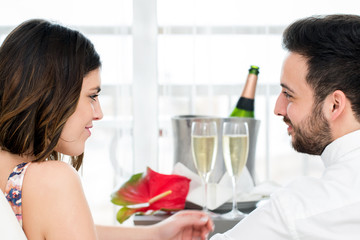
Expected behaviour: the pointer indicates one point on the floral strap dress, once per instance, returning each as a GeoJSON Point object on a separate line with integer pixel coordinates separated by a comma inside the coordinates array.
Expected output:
{"type": "Point", "coordinates": [14, 187]}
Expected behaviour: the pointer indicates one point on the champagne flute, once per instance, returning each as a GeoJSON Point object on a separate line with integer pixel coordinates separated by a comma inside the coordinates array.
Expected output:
{"type": "Point", "coordinates": [204, 148]}
{"type": "Point", "coordinates": [235, 150]}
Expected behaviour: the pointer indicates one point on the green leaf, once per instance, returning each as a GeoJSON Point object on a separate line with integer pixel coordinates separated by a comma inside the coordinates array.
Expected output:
{"type": "Point", "coordinates": [124, 213]}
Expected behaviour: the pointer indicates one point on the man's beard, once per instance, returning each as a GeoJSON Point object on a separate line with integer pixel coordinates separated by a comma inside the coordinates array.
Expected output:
{"type": "Point", "coordinates": [312, 134]}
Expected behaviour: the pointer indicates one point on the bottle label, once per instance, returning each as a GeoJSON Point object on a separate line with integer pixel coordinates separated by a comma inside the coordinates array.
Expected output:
{"type": "Point", "coordinates": [246, 104]}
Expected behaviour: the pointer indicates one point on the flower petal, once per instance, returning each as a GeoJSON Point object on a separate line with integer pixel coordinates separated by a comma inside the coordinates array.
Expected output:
{"type": "Point", "coordinates": [160, 191]}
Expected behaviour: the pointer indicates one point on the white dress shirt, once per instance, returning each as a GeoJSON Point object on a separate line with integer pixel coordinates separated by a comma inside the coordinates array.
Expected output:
{"type": "Point", "coordinates": [310, 208]}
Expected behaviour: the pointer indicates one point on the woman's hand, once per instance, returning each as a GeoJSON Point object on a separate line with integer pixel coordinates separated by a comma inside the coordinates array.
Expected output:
{"type": "Point", "coordinates": [185, 225]}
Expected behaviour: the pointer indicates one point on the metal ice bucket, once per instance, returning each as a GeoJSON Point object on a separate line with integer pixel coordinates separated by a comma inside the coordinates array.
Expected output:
{"type": "Point", "coordinates": [182, 142]}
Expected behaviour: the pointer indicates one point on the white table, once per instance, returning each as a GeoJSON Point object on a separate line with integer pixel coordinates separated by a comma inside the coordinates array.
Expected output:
{"type": "Point", "coordinates": [221, 224]}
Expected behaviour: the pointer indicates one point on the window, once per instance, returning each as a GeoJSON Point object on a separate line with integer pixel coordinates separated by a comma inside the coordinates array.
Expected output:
{"type": "Point", "coordinates": [166, 57]}
{"type": "Point", "coordinates": [108, 26]}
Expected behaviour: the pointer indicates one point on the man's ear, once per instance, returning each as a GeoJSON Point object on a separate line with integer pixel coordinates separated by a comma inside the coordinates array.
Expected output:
{"type": "Point", "coordinates": [336, 104]}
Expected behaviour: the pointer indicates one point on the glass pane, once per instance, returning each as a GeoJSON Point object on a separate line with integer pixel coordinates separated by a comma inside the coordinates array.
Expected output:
{"type": "Point", "coordinates": [69, 12]}
{"type": "Point", "coordinates": [116, 56]}
{"type": "Point", "coordinates": [108, 155]}
{"type": "Point", "coordinates": [218, 59]}
{"type": "Point", "coordinates": [212, 43]}
{"type": "Point", "coordinates": [248, 13]}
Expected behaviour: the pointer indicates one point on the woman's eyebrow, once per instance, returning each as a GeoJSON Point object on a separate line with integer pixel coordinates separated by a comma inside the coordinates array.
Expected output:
{"type": "Point", "coordinates": [98, 89]}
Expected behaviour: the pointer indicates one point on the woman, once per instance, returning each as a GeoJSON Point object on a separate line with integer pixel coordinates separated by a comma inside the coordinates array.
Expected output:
{"type": "Point", "coordinates": [49, 86]}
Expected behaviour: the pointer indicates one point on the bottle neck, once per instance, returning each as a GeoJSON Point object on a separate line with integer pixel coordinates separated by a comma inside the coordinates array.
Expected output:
{"type": "Point", "coordinates": [245, 104]}
{"type": "Point", "coordinates": [250, 86]}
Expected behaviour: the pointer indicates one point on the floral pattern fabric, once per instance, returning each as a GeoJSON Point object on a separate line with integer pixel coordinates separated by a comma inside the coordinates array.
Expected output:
{"type": "Point", "coordinates": [14, 188]}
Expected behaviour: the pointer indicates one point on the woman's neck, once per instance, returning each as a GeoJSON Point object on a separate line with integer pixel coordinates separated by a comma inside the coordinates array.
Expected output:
{"type": "Point", "coordinates": [8, 161]}
{"type": "Point", "coordinates": [15, 158]}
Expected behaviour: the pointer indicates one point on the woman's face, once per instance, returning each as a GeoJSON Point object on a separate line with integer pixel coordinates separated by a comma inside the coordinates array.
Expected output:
{"type": "Point", "coordinates": [77, 128]}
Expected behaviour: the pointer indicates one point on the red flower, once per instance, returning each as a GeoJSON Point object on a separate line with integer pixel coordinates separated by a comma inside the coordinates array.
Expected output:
{"type": "Point", "coordinates": [153, 191]}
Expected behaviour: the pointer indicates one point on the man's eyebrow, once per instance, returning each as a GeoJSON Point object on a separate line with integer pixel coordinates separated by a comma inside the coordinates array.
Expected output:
{"type": "Point", "coordinates": [285, 86]}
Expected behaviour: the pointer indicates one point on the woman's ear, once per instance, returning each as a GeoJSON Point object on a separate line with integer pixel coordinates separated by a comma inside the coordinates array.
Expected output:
{"type": "Point", "coordinates": [336, 103]}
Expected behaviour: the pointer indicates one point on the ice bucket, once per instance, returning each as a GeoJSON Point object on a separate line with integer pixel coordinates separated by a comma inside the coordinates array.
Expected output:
{"type": "Point", "coordinates": [182, 143]}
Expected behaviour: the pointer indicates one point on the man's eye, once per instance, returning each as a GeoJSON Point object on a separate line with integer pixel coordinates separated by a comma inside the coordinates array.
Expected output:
{"type": "Point", "coordinates": [286, 94]}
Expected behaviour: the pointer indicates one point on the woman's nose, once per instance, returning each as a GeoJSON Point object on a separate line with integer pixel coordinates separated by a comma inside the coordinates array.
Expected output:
{"type": "Point", "coordinates": [98, 114]}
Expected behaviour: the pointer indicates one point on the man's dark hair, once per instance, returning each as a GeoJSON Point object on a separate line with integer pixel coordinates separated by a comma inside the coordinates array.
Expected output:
{"type": "Point", "coordinates": [331, 46]}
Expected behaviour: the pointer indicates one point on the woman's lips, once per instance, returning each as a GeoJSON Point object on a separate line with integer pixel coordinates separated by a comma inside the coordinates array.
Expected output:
{"type": "Point", "coordinates": [88, 129]}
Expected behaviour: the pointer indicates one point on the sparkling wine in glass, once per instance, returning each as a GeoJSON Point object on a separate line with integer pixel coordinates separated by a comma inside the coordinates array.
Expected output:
{"type": "Point", "coordinates": [235, 150]}
{"type": "Point", "coordinates": [204, 148]}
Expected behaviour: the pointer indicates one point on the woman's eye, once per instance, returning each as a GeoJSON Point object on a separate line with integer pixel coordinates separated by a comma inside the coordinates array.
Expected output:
{"type": "Point", "coordinates": [93, 97]}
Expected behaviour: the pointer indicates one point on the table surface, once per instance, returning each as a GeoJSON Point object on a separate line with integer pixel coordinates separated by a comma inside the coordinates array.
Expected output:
{"type": "Point", "coordinates": [221, 224]}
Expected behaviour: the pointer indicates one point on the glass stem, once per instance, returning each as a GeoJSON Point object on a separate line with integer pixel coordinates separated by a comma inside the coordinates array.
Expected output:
{"type": "Point", "coordinates": [234, 205]}
{"type": "Point", "coordinates": [205, 197]}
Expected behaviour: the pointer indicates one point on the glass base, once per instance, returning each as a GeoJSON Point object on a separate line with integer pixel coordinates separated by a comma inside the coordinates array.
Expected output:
{"type": "Point", "coordinates": [210, 213]}
{"type": "Point", "coordinates": [234, 214]}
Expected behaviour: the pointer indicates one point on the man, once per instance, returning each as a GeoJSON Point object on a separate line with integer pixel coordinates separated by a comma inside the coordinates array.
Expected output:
{"type": "Point", "coordinates": [320, 103]}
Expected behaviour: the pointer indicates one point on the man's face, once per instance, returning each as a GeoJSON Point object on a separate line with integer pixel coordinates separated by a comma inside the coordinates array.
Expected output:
{"type": "Point", "coordinates": [307, 125]}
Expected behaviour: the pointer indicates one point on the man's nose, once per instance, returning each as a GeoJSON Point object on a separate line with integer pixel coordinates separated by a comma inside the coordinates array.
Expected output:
{"type": "Point", "coordinates": [280, 106]}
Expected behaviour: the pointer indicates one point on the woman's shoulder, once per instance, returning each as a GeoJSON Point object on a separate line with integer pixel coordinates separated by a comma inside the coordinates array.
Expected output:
{"type": "Point", "coordinates": [51, 167]}
{"type": "Point", "coordinates": [53, 171]}
{"type": "Point", "coordinates": [49, 174]}
{"type": "Point", "coordinates": [52, 194]}
{"type": "Point", "coordinates": [55, 178]}
{"type": "Point", "coordinates": [49, 180]}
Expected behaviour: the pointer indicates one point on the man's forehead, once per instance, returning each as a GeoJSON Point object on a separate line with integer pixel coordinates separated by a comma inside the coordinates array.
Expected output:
{"type": "Point", "coordinates": [294, 72]}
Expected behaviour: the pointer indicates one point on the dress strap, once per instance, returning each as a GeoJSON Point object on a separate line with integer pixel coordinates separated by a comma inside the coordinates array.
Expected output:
{"type": "Point", "coordinates": [13, 189]}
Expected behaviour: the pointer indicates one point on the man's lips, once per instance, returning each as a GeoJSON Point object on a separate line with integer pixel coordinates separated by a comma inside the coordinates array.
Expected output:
{"type": "Point", "coordinates": [289, 129]}
{"type": "Point", "coordinates": [288, 122]}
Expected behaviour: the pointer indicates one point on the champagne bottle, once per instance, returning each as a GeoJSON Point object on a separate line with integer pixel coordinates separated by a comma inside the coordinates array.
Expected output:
{"type": "Point", "coordinates": [245, 105]}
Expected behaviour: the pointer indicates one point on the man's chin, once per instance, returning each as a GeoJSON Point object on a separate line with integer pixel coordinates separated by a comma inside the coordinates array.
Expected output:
{"type": "Point", "coordinates": [291, 133]}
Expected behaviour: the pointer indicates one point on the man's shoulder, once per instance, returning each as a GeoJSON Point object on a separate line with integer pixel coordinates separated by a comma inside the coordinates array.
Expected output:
{"type": "Point", "coordinates": [307, 196]}
{"type": "Point", "coordinates": [303, 185]}
{"type": "Point", "coordinates": [311, 205]}
{"type": "Point", "coordinates": [301, 194]}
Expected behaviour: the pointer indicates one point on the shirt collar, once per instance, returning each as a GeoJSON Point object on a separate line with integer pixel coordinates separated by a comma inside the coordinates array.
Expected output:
{"type": "Point", "coordinates": [339, 147]}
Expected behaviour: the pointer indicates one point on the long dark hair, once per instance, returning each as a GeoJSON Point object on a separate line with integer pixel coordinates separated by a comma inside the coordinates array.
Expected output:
{"type": "Point", "coordinates": [42, 66]}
